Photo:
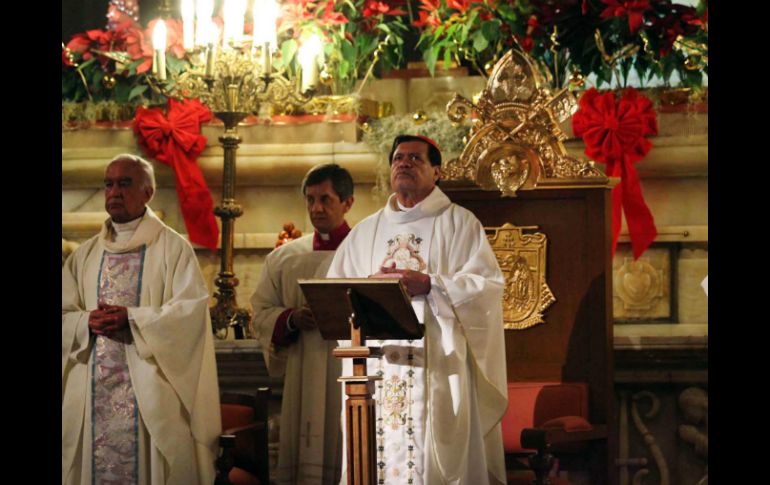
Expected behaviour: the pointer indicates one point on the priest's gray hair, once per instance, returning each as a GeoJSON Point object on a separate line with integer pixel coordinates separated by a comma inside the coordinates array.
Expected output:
{"type": "Point", "coordinates": [147, 169]}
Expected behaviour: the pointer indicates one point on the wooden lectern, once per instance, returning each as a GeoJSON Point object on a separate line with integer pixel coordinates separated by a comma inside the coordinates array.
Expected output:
{"type": "Point", "coordinates": [358, 309]}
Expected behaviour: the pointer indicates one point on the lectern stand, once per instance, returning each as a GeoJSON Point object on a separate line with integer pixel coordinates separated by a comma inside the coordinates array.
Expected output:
{"type": "Point", "coordinates": [358, 309]}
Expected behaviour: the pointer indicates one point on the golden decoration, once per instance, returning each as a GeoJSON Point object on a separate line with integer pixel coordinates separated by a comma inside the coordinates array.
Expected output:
{"type": "Point", "coordinates": [331, 105]}
{"type": "Point", "coordinates": [375, 109]}
{"type": "Point", "coordinates": [522, 259]}
{"type": "Point", "coordinates": [109, 81]}
{"type": "Point", "coordinates": [516, 143]}
{"type": "Point", "coordinates": [638, 284]}
{"type": "Point", "coordinates": [576, 80]}
{"type": "Point", "coordinates": [420, 117]}
{"type": "Point", "coordinates": [326, 78]}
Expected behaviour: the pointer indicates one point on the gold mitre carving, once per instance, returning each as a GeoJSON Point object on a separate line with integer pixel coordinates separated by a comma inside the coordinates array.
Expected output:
{"type": "Point", "coordinates": [516, 142]}
{"type": "Point", "coordinates": [522, 260]}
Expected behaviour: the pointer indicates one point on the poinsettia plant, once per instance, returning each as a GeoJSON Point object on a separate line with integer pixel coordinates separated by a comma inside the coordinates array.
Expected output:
{"type": "Point", "coordinates": [112, 63]}
{"type": "Point", "coordinates": [357, 35]}
{"type": "Point", "coordinates": [607, 38]}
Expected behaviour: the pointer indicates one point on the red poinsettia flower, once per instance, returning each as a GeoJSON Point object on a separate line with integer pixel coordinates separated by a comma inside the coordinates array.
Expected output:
{"type": "Point", "coordinates": [634, 9]}
{"type": "Point", "coordinates": [81, 43]}
{"type": "Point", "coordinates": [138, 48]}
{"type": "Point", "coordinates": [428, 14]}
{"type": "Point", "coordinates": [430, 6]}
{"type": "Point", "coordinates": [527, 41]}
{"type": "Point", "coordinates": [374, 7]}
{"type": "Point", "coordinates": [461, 6]}
{"type": "Point", "coordinates": [680, 20]}
{"type": "Point", "coordinates": [427, 19]}
{"type": "Point", "coordinates": [331, 17]}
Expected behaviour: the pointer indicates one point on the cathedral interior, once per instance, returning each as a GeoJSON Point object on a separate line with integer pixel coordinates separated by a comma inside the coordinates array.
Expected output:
{"type": "Point", "coordinates": [618, 338]}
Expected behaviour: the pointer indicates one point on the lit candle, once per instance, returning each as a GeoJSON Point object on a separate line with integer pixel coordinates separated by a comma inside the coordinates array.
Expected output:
{"type": "Point", "coordinates": [203, 11]}
{"type": "Point", "coordinates": [234, 16]}
{"type": "Point", "coordinates": [159, 49]}
{"type": "Point", "coordinates": [265, 14]}
{"type": "Point", "coordinates": [308, 61]}
{"type": "Point", "coordinates": [188, 24]}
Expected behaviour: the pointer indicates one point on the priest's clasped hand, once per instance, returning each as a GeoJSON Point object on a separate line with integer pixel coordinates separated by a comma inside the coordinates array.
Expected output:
{"type": "Point", "coordinates": [108, 319]}
{"type": "Point", "coordinates": [416, 283]}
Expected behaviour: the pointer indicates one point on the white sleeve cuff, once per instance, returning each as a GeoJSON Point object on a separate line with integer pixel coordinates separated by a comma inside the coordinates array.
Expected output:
{"type": "Point", "coordinates": [438, 299]}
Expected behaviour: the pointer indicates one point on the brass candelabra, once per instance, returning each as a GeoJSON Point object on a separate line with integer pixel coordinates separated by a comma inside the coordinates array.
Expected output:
{"type": "Point", "coordinates": [240, 81]}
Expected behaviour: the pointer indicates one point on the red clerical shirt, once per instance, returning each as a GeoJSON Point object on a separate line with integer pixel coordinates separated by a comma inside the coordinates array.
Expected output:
{"type": "Point", "coordinates": [282, 336]}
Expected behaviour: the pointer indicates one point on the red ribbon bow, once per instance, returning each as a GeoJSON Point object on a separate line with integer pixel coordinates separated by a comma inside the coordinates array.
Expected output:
{"type": "Point", "coordinates": [614, 134]}
{"type": "Point", "coordinates": [176, 140]}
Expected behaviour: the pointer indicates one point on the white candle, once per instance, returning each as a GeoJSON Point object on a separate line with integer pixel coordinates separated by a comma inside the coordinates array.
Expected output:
{"type": "Point", "coordinates": [209, 35]}
{"type": "Point", "coordinates": [265, 14]}
{"type": "Point", "coordinates": [188, 24]}
{"type": "Point", "coordinates": [234, 16]}
{"type": "Point", "coordinates": [203, 12]}
{"type": "Point", "coordinates": [159, 47]}
{"type": "Point", "coordinates": [308, 61]}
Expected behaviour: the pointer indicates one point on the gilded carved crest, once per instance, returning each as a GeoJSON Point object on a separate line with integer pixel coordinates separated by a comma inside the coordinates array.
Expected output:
{"type": "Point", "coordinates": [516, 142]}
{"type": "Point", "coordinates": [522, 259]}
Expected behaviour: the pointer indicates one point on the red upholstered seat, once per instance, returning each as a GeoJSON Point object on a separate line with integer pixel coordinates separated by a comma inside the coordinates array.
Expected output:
{"type": "Point", "coordinates": [236, 415]}
{"type": "Point", "coordinates": [239, 476]}
{"type": "Point", "coordinates": [537, 404]}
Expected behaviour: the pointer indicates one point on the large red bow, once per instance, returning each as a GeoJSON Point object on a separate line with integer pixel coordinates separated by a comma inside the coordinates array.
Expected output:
{"type": "Point", "coordinates": [614, 134]}
{"type": "Point", "coordinates": [176, 140]}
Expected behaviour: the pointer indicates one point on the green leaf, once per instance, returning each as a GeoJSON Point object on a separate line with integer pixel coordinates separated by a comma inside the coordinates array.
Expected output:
{"type": "Point", "coordinates": [479, 41]}
{"type": "Point", "coordinates": [121, 92]}
{"type": "Point", "coordinates": [384, 27]}
{"type": "Point", "coordinates": [136, 91]}
{"type": "Point", "coordinates": [437, 33]}
{"type": "Point", "coordinates": [491, 29]}
{"type": "Point", "coordinates": [288, 51]}
{"type": "Point", "coordinates": [430, 56]}
{"type": "Point", "coordinates": [447, 58]}
{"type": "Point", "coordinates": [348, 51]}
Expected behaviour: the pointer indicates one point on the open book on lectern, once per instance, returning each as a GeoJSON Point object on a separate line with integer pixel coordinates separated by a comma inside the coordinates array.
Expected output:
{"type": "Point", "coordinates": [382, 307]}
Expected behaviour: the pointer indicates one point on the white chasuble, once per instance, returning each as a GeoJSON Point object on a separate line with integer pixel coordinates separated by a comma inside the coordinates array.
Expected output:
{"type": "Point", "coordinates": [142, 407]}
{"type": "Point", "coordinates": [308, 451]}
{"type": "Point", "coordinates": [441, 398]}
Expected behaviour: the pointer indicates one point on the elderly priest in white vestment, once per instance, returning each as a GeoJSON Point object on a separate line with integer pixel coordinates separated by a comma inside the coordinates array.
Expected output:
{"type": "Point", "coordinates": [309, 451]}
{"type": "Point", "coordinates": [440, 400]}
{"type": "Point", "coordinates": [140, 399]}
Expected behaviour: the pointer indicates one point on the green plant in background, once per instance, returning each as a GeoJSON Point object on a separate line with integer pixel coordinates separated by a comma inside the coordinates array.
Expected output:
{"type": "Point", "coordinates": [358, 35]}
{"type": "Point", "coordinates": [379, 135]}
{"type": "Point", "coordinates": [571, 38]}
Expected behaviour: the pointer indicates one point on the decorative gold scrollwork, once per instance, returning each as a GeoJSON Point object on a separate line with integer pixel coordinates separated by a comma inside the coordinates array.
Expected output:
{"type": "Point", "coordinates": [516, 142]}
{"type": "Point", "coordinates": [522, 259]}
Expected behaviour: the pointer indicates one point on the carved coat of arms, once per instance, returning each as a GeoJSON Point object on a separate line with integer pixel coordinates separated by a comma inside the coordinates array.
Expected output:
{"type": "Point", "coordinates": [522, 259]}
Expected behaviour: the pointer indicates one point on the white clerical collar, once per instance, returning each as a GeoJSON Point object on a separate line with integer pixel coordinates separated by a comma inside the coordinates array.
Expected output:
{"type": "Point", "coordinates": [124, 230]}
{"type": "Point", "coordinates": [323, 236]}
{"type": "Point", "coordinates": [434, 203]}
